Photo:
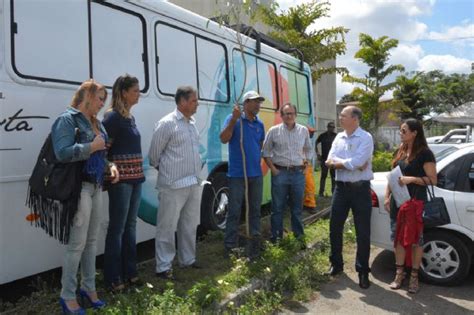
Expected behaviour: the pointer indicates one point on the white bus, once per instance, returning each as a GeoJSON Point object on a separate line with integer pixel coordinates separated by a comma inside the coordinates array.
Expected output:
{"type": "Point", "coordinates": [48, 47]}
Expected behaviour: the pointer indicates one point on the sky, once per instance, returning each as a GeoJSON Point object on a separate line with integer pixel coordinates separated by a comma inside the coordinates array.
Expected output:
{"type": "Point", "coordinates": [432, 34]}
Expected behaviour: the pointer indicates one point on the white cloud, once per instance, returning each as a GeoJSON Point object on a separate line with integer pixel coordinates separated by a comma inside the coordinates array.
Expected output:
{"type": "Point", "coordinates": [407, 54]}
{"type": "Point", "coordinates": [399, 19]}
{"type": "Point", "coordinates": [446, 63]}
{"type": "Point", "coordinates": [460, 34]}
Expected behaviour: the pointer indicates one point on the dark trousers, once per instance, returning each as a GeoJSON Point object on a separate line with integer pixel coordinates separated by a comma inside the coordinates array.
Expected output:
{"type": "Point", "coordinates": [324, 174]}
{"type": "Point", "coordinates": [120, 254]}
{"type": "Point", "coordinates": [355, 196]}
{"type": "Point", "coordinates": [236, 200]}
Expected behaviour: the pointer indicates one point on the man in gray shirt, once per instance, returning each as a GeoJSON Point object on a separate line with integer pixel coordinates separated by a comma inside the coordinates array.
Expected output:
{"type": "Point", "coordinates": [286, 151]}
{"type": "Point", "coordinates": [174, 152]}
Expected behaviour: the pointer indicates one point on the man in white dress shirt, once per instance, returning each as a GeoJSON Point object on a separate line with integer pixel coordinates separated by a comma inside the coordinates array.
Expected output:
{"type": "Point", "coordinates": [174, 152]}
{"type": "Point", "coordinates": [351, 157]}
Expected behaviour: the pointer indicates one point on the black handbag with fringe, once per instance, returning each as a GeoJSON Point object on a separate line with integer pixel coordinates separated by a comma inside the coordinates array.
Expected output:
{"type": "Point", "coordinates": [53, 192]}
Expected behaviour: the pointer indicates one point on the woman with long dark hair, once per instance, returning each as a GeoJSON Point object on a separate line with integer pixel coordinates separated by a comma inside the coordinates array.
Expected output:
{"type": "Point", "coordinates": [124, 149]}
{"type": "Point", "coordinates": [78, 135]}
{"type": "Point", "coordinates": [418, 167]}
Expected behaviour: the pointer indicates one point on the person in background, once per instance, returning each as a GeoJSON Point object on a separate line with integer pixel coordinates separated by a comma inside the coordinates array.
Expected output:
{"type": "Point", "coordinates": [286, 151]}
{"type": "Point", "coordinates": [174, 152]}
{"type": "Point", "coordinates": [253, 136]}
{"type": "Point", "coordinates": [326, 139]}
{"type": "Point", "coordinates": [79, 123]}
{"type": "Point", "coordinates": [351, 157]}
{"type": "Point", "coordinates": [418, 166]}
{"type": "Point", "coordinates": [124, 149]}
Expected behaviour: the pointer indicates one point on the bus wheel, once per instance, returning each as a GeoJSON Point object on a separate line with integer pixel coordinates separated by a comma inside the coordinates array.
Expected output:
{"type": "Point", "coordinates": [214, 204]}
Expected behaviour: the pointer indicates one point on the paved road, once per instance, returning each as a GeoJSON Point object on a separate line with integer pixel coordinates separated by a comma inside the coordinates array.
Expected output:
{"type": "Point", "coordinates": [343, 296]}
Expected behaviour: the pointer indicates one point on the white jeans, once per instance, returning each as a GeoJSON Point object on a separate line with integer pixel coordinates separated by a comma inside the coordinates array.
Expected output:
{"type": "Point", "coordinates": [179, 210]}
{"type": "Point", "coordinates": [82, 244]}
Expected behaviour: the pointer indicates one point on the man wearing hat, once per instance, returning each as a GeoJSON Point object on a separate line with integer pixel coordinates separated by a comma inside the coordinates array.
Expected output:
{"type": "Point", "coordinates": [253, 136]}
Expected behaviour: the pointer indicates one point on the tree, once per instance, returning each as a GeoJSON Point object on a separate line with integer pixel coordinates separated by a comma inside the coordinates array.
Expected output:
{"type": "Point", "coordinates": [409, 93]}
{"type": "Point", "coordinates": [375, 54]}
{"type": "Point", "coordinates": [292, 28]}
{"type": "Point", "coordinates": [443, 93]}
{"type": "Point", "coordinates": [346, 98]}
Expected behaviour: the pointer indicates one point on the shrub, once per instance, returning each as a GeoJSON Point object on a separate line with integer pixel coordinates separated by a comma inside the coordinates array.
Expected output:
{"type": "Point", "coordinates": [382, 161]}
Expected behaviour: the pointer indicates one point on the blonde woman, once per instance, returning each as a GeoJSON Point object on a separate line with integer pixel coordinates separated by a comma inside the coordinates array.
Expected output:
{"type": "Point", "coordinates": [77, 135]}
{"type": "Point", "coordinates": [124, 149]}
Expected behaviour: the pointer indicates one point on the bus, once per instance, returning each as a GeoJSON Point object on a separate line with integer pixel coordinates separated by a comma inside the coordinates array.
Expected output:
{"type": "Point", "coordinates": [49, 47]}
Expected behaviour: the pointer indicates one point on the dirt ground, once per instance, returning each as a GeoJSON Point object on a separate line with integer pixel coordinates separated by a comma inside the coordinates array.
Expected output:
{"type": "Point", "coordinates": [342, 294]}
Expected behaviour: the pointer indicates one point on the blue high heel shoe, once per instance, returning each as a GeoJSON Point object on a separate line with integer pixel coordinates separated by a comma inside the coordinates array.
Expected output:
{"type": "Point", "coordinates": [66, 310]}
{"type": "Point", "coordinates": [95, 305]}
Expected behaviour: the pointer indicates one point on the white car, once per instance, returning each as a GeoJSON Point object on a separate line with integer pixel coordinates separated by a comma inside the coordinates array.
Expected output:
{"type": "Point", "coordinates": [449, 249]}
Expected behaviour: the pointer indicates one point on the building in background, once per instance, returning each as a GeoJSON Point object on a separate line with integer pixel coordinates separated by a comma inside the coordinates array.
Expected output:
{"type": "Point", "coordinates": [324, 89]}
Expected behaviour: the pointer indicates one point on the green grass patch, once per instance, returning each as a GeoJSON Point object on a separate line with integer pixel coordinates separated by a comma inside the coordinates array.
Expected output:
{"type": "Point", "coordinates": [287, 272]}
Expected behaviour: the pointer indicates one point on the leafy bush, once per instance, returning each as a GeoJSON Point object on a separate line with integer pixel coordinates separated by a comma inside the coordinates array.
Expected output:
{"type": "Point", "coordinates": [382, 161]}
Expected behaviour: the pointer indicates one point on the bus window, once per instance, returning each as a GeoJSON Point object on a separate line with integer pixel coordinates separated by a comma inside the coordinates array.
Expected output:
{"type": "Point", "coordinates": [260, 77]}
{"type": "Point", "coordinates": [212, 71]}
{"type": "Point", "coordinates": [176, 59]}
{"type": "Point", "coordinates": [267, 83]}
{"type": "Point", "coordinates": [117, 47]}
{"type": "Point", "coordinates": [47, 51]}
{"type": "Point", "coordinates": [303, 93]}
{"type": "Point", "coordinates": [250, 76]}
{"type": "Point", "coordinates": [295, 89]}
{"type": "Point", "coordinates": [288, 87]}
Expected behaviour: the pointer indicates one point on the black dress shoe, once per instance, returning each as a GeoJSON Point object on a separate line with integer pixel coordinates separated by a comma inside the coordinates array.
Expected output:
{"type": "Point", "coordinates": [166, 275]}
{"type": "Point", "coordinates": [334, 271]}
{"type": "Point", "coordinates": [364, 282]}
{"type": "Point", "coordinates": [194, 265]}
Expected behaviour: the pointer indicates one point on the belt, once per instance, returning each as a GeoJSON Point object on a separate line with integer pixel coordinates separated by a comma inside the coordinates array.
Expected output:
{"type": "Point", "coordinates": [290, 168]}
{"type": "Point", "coordinates": [352, 184]}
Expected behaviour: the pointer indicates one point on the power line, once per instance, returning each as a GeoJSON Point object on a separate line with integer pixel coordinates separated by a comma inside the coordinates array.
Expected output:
{"type": "Point", "coordinates": [444, 39]}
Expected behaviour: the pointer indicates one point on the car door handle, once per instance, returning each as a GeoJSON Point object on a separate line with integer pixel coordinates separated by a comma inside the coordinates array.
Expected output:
{"type": "Point", "coordinates": [470, 209]}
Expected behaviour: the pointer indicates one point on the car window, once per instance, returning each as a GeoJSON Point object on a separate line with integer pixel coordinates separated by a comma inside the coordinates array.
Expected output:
{"type": "Point", "coordinates": [444, 153]}
{"type": "Point", "coordinates": [471, 177]}
{"type": "Point", "coordinates": [448, 176]}
{"type": "Point", "coordinates": [467, 175]}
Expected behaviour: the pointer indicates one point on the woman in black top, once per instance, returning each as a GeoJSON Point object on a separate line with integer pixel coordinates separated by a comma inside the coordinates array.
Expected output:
{"type": "Point", "coordinates": [418, 167]}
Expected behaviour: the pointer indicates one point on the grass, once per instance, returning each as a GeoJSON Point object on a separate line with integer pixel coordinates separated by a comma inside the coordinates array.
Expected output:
{"type": "Point", "coordinates": [288, 274]}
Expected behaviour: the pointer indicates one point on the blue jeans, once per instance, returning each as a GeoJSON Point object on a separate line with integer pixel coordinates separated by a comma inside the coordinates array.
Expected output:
{"type": "Point", "coordinates": [120, 256]}
{"type": "Point", "coordinates": [82, 246]}
{"type": "Point", "coordinates": [287, 188]}
{"type": "Point", "coordinates": [236, 201]}
{"type": "Point", "coordinates": [356, 197]}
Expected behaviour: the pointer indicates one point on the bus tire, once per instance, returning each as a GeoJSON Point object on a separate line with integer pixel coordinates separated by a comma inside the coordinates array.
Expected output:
{"type": "Point", "coordinates": [214, 204]}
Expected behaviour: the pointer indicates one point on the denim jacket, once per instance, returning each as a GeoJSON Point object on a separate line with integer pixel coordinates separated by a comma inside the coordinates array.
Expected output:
{"type": "Point", "coordinates": [63, 134]}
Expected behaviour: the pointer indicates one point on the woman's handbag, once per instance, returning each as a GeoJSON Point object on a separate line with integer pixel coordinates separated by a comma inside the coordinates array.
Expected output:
{"type": "Point", "coordinates": [53, 192]}
{"type": "Point", "coordinates": [435, 212]}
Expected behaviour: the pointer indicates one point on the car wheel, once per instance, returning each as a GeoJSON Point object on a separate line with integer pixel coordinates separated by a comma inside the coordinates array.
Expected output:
{"type": "Point", "coordinates": [446, 259]}
{"type": "Point", "coordinates": [214, 204]}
